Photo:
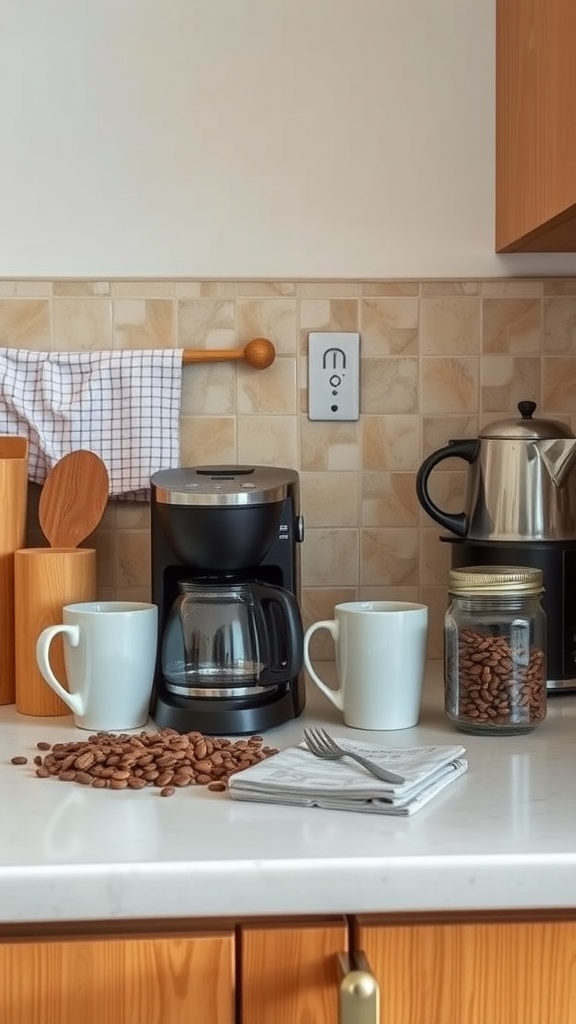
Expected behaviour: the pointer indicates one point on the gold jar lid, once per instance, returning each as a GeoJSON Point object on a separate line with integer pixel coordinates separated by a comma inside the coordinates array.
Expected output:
{"type": "Point", "coordinates": [495, 579]}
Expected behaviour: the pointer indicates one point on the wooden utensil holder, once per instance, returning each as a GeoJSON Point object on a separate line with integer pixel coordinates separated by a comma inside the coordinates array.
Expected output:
{"type": "Point", "coordinates": [13, 502]}
{"type": "Point", "coordinates": [46, 579]}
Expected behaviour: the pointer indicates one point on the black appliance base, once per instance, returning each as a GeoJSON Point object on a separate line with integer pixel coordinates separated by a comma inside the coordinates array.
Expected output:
{"type": "Point", "coordinates": [228, 717]}
{"type": "Point", "coordinates": [557, 559]}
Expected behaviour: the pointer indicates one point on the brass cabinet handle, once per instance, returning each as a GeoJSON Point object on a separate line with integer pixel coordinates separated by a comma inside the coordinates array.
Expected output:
{"type": "Point", "coordinates": [359, 992]}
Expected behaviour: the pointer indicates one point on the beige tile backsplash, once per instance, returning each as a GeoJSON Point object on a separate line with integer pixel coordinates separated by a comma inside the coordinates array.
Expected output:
{"type": "Point", "coordinates": [438, 360]}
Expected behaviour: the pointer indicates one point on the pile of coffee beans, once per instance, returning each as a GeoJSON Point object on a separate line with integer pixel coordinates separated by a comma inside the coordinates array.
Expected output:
{"type": "Point", "coordinates": [497, 686]}
{"type": "Point", "coordinates": [165, 759]}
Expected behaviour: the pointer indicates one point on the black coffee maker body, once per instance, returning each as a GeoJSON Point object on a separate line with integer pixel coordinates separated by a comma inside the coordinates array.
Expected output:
{"type": "Point", "coordinates": [520, 510]}
{"type": "Point", "coordinates": [226, 579]}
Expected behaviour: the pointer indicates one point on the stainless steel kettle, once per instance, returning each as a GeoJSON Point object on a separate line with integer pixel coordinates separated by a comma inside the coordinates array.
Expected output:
{"type": "Point", "coordinates": [521, 482]}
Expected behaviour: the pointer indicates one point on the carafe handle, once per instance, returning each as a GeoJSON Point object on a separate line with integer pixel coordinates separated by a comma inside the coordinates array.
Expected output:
{"type": "Point", "coordinates": [270, 597]}
{"type": "Point", "coordinates": [457, 522]}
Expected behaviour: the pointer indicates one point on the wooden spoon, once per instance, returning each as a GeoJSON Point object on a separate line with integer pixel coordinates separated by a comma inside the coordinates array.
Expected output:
{"type": "Point", "coordinates": [73, 499]}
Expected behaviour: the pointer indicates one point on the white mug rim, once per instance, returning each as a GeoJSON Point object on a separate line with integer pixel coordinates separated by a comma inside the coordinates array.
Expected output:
{"type": "Point", "coordinates": [93, 608]}
{"type": "Point", "coordinates": [380, 607]}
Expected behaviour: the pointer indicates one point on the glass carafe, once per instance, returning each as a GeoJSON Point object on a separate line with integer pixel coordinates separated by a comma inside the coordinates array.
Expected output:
{"type": "Point", "coordinates": [230, 638]}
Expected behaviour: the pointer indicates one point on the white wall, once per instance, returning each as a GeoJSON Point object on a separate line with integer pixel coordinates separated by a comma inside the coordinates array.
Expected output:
{"type": "Point", "coordinates": [249, 138]}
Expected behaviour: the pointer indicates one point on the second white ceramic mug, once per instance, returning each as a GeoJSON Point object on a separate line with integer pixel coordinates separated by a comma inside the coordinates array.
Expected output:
{"type": "Point", "coordinates": [380, 649]}
{"type": "Point", "coordinates": [110, 656]}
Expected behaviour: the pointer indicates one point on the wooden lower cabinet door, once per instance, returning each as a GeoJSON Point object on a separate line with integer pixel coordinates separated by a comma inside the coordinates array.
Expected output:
{"type": "Point", "coordinates": [289, 971]}
{"type": "Point", "coordinates": [176, 979]}
{"type": "Point", "coordinates": [462, 971]}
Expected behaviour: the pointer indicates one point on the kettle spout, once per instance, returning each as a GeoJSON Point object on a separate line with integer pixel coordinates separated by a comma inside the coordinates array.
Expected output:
{"type": "Point", "coordinates": [558, 456]}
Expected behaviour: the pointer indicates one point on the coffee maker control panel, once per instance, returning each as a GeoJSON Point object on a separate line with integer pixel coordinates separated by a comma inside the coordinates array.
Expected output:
{"type": "Point", "coordinates": [290, 526]}
{"type": "Point", "coordinates": [223, 485]}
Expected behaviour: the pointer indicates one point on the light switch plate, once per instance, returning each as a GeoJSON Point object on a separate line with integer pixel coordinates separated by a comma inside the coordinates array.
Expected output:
{"type": "Point", "coordinates": [333, 375]}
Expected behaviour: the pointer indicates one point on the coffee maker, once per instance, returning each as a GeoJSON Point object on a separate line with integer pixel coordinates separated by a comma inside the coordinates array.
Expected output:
{"type": "Point", "coordinates": [520, 510]}
{"type": "Point", "coordinates": [226, 579]}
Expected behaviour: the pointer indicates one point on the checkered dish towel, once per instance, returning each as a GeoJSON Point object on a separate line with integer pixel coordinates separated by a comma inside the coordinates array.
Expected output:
{"type": "Point", "coordinates": [124, 406]}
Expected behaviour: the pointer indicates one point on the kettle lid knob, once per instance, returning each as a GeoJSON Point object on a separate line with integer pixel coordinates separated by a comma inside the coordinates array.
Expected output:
{"type": "Point", "coordinates": [526, 409]}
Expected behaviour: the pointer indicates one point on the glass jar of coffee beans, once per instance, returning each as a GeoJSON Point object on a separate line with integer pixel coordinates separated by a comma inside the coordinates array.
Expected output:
{"type": "Point", "coordinates": [495, 649]}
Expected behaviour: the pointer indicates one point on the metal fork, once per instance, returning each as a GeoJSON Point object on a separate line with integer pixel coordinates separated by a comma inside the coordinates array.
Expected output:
{"type": "Point", "coordinates": [321, 744]}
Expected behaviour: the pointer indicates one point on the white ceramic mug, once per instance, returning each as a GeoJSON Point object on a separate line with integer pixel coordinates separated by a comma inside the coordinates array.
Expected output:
{"type": "Point", "coordinates": [380, 662]}
{"type": "Point", "coordinates": [110, 656]}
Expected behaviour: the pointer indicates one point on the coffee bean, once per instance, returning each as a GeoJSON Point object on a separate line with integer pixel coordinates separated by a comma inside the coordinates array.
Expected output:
{"type": "Point", "coordinates": [165, 759]}
{"type": "Point", "coordinates": [136, 783]}
{"type": "Point", "coordinates": [496, 682]}
{"type": "Point", "coordinates": [85, 760]}
{"type": "Point", "coordinates": [84, 778]}
{"type": "Point", "coordinates": [164, 778]}
{"type": "Point", "coordinates": [200, 750]}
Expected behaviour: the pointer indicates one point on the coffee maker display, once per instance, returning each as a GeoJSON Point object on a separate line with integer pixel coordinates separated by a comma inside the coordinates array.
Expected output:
{"type": "Point", "coordinates": [226, 579]}
{"type": "Point", "coordinates": [520, 510]}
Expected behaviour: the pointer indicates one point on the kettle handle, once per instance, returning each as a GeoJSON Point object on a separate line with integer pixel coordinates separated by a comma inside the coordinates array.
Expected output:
{"type": "Point", "coordinates": [455, 522]}
{"type": "Point", "coordinates": [280, 671]}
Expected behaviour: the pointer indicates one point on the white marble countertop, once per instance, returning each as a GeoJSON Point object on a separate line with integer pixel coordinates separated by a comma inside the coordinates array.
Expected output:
{"type": "Point", "coordinates": [504, 836]}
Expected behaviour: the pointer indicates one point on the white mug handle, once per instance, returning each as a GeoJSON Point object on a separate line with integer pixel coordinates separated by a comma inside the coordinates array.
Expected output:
{"type": "Point", "coordinates": [334, 695]}
{"type": "Point", "coordinates": [72, 635]}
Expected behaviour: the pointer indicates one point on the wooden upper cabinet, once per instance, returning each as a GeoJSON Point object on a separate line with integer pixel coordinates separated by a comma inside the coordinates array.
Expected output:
{"type": "Point", "coordinates": [535, 126]}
